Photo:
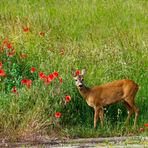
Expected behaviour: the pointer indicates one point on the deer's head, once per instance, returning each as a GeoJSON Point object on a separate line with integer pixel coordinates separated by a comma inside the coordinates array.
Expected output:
{"type": "Point", "coordinates": [79, 78]}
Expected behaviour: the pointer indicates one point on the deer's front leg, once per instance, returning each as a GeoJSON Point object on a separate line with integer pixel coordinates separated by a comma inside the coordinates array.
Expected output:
{"type": "Point", "coordinates": [101, 115]}
{"type": "Point", "coordinates": [96, 116]}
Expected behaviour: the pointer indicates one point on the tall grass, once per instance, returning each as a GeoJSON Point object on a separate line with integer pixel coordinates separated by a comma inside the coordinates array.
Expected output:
{"type": "Point", "coordinates": [109, 38]}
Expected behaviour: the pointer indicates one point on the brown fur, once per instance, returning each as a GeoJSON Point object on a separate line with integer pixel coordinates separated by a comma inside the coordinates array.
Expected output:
{"type": "Point", "coordinates": [106, 94]}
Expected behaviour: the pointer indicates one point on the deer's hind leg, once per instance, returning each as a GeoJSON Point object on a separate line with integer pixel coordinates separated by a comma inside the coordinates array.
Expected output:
{"type": "Point", "coordinates": [130, 112]}
{"type": "Point", "coordinates": [131, 104]}
{"type": "Point", "coordinates": [136, 110]}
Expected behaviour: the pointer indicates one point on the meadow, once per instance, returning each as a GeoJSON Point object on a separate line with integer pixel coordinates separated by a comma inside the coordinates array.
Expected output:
{"type": "Point", "coordinates": [50, 38]}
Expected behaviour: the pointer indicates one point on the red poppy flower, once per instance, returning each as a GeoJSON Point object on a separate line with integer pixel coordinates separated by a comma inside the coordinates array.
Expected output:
{"type": "Point", "coordinates": [26, 29]}
{"type": "Point", "coordinates": [51, 76]}
{"type": "Point", "coordinates": [42, 34]}
{"type": "Point", "coordinates": [57, 114]}
{"type": "Point", "coordinates": [32, 70]}
{"type": "Point", "coordinates": [146, 125]}
{"type": "Point", "coordinates": [141, 129]}
{"type": "Point", "coordinates": [41, 75]}
{"type": "Point", "coordinates": [1, 65]}
{"type": "Point", "coordinates": [2, 73]}
{"type": "Point", "coordinates": [10, 54]}
{"type": "Point", "coordinates": [5, 42]}
{"type": "Point", "coordinates": [61, 80]}
{"type": "Point", "coordinates": [45, 78]}
{"type": "Point", "coordinates": [9, 45]}
{"type": "Point", "coordinates": [14, 89]}
{"type": "Point", "coordinates": [67, 98]}
{"type": "Point", "coordinates": [29, 82]}
{"type": "Point", "coordinates": [23, 56]}
{"type": "Point", "coordinates": [77, 72]}
{"type": "Point", "coordinates": [26, 82]}
{"type": "Point", "coordinates": [55, 74]}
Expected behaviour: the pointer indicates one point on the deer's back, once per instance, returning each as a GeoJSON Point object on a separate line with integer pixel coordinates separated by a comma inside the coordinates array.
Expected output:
{"type": "Point", "coordinates": [112, 92]}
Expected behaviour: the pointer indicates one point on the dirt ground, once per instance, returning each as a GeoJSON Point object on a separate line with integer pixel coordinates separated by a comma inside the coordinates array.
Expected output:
{"type": "Point", "coordinates": [117, 142]}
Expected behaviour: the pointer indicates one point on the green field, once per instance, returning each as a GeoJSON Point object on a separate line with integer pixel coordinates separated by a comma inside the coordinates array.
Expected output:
{"type": "Point", "coordinates": [108, 38]}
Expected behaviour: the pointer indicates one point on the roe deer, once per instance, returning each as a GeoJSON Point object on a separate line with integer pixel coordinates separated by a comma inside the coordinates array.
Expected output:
{"type": "Point", "coordinates": [106, 94]}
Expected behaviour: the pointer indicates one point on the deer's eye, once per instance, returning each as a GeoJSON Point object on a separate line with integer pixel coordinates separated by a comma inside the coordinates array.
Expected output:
{"type": "Point", "coordinates": [82, 79]}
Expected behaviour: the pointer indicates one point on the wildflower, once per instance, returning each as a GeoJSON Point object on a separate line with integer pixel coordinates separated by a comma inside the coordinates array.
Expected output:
{"type": "Point", "coordinates": [61, 80]}
{"type": "Point", "coordinates": [41, 75]}
{"type": "Point", "coordinates": [32, 70]}
{"type": "Point", "coordinates": [42, 34]}
{"type": "Point", "coordinates": [26, 29]}
{"type": "Point", "coordinates": [10, 54]}
{"type": "Point", "coordinates": [2, 73]}
{"type": "Point", "coordinates": [77, 72]}
{"type": "Point", "coordinates": [51, 77]}
{"type": "Point", "coordinates": [26, 82]}
{"type": "Point", "coordinates": [9, 45]}
{"type": "Point", "coordinates": [55, 74]}
{"type": "Point", "coordinates": [57, 114]}
{"type": "Point", "coordinates": [1, 65]}
{"type": "Point", "coordinates": [23, 56]}
{"type": "Point", "coordinates": [5, 42]}
{"type": "Point", "coordinates": [45, 78]}
{"type": "Point", "coordinates": [29, 82]}
{"type": "Point", "coordinates": [146, 125]}
{"type": "Point", "coordinates": [67, 99]}
{"type": "Point", "coordinates": [141, 129]}
{"type": "Point", "coordinates": [14, 89]}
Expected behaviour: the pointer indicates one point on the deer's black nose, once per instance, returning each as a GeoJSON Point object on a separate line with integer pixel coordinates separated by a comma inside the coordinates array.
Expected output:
{"type": "Point", "coordinates": [80, 85]}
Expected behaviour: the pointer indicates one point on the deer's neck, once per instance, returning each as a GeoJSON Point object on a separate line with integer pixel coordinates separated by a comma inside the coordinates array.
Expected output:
{"type": "Point", "coordinates": [84, 91]}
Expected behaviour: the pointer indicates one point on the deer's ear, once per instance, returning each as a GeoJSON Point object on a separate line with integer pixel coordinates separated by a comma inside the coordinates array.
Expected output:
{"type": "Point", "coordinates": [83, 71]}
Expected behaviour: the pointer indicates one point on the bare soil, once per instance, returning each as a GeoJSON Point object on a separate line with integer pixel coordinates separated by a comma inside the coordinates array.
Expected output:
{"type": "Point", "coordinates": [45, 141]}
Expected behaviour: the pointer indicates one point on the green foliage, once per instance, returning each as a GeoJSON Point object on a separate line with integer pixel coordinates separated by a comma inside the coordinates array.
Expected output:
{"type": "Point", "coordinates": [108, 38]}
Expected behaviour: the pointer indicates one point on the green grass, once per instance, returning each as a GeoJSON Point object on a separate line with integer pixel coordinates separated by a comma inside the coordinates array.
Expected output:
{"type": "Point", "coordinates": [109, 38]}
